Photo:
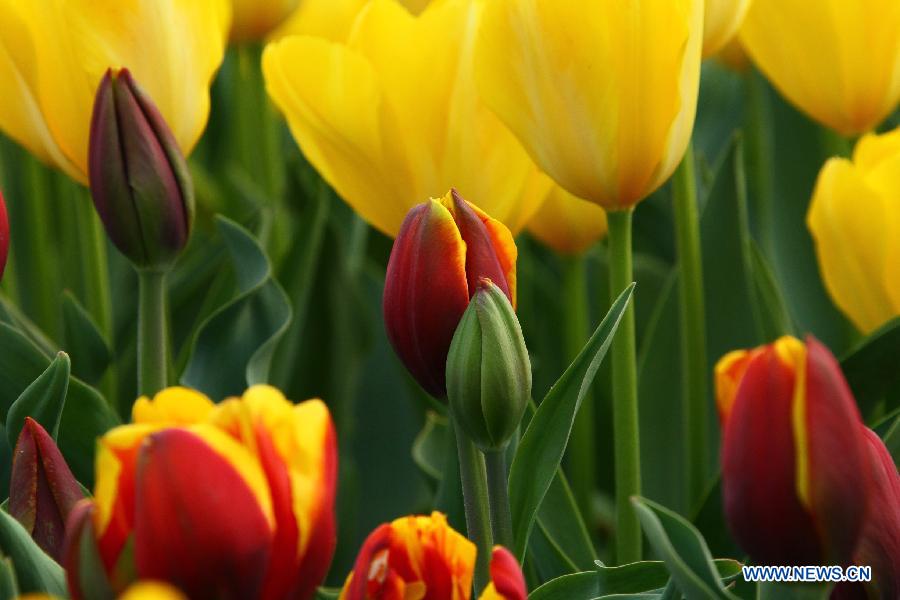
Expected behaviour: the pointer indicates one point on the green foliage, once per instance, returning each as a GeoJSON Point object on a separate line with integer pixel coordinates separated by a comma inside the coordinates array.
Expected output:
{"type": "Point", "coordinates": [34, 571]}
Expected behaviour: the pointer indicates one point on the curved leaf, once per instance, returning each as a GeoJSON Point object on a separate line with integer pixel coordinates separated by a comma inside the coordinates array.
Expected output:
{"type": "Point", "coordinates": [871, 367]}
{"type": "Point", "coordinates": [233, 347]}
{"type": "Point", "coordinates": [34, 570]}
{"type": "Point", "coordinates": [544, 443]}
{"type": "Point", "coordinates": [85, 343]}
{"type": "Point", "coordinates": [43, 401]}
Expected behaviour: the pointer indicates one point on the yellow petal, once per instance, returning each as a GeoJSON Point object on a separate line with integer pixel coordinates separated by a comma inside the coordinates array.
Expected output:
{"type": "Point", "coordinates": [172, 47]}
{"type": "Point", "coordinates": [854, 218]}
{"type": "Point", "coordinates": [568, 224]}
{"type": "Point", "coordinates": [331, 19]}
{"type": "Point", "coordinates": [172, 406]}
{"type": "Point", "coordinates": [602, 94]}
{"type": "Point", "coordinates": [254, 19]}
{"type": "Point", "coordinates": [837, 61]}
{"type": "Point", "coordinates": [152, 590]}
{"type": "Point", "coordinates": [721, 21]}
{"type": "Point", "coordinates": [382, 139]}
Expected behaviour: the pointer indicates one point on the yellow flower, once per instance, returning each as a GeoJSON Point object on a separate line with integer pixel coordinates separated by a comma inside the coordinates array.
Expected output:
{"type": "Point", "coordinates": [331, 19]}
{"type": "Point", "coordinates": [721, 21]}
{"type": "Point", "coordinates": [854, 218]}
{"type": "Point", "coordinates": [602, 94]}
{"type": "Point", "coordinates": [838, 61]}
{"type": "Point", "coordinates": [733, 56]}
{"type": "Point", "coordinates": [392, 117]}
{"type": "Point", "coordinates": [253, 19]}
{"type": "Point", "coordinates": [568, 224]}
{"type": "Point", "coordinates": [53, 54]}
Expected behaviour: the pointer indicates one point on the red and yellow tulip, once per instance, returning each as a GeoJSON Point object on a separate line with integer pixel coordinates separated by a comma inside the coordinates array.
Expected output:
{"type": "Point", "coordinates": [444, 248]}
{"type": "Point", "coordinates": [423, 557]}
{"type": "Point", "coordinates": [233, 500]}
{"type": "Point", "coordinates": [794, 461]}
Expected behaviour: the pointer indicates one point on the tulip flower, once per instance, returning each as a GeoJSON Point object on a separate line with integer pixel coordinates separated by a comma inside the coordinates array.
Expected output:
{"type": "Point", "coordinates": [152, 590]}
{"type": "Point", "coordinates": [363, 115]}
{"type": "Point", "coordinates": [568, 224]}
{"type": "Point", "coordinates": [233, 500]}
{"type": "Point", "coordinates": [53, 56]}
{"type": "Point", "coordinates": [42, 489]}
{"type": "Point", "coordinates": [444, 248]}
{"type": "Point", "coordinates": [837, 62]}
{"type": "Point", "coordinates": [721, 21]}
{"type": "Point", "coordinates": [606, 121]}
{"type": "Point", "coordinates": [855, 222]}
{"type": "Point", "coordinates": [4, 236]}
{"type": "Point", "coordinates": [331, 19]}
{"type": "Point", "coordinates": [794, 459]}
{"type": "Point", "coordinates": [423, 557]}
{"type": "Point", "coordinates": [139, 179]}
{"type": "Point", "coordinates": [253, 19]}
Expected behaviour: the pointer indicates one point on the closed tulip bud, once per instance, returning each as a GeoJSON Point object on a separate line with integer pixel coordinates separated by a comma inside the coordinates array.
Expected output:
{"type": "Point", "coordinates": [602, 95]}
{"type": "Point", "coordinates": [488, 370]}
{"type": "Point", "coordinates": [445, 247]}
{"type": "Point", "coordinates": [507, 580]}
{"type": "Point", "coordinates": [854, 218]}
{"type": "Point", "coordinates": [42, 489]}
{"type": "Point", "coordinates": [4, 236]}
{"type": "Point", "coordinates": [794, 461]}
{"type": "Point", "coordinates": [412, 557]}
{"type": "Point", "coordinates": [839, 63]}
{"type": "Point", "coordinates": [139, 179]}
{"type": "Point", "coordinates": [234, 500]}
{"type": "Point", "coordinates": [721, 21]}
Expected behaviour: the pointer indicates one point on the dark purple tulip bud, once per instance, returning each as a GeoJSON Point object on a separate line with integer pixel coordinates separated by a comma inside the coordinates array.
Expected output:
{"type": "Point", "coordinates": [139, 178]}
{"type": "Point", "coordinates": [42, 489]}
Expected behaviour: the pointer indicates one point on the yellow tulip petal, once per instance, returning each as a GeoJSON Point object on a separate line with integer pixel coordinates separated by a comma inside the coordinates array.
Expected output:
{"type": "Point", "coordinates": [568, 224]}
{"type": "Point", "coordinates": [329, 19]}
{"type": "Point", "coordinates": [172, 406]}
{"type": "Point", "coordinates": [152, 590]}
{"type": "Point", "coordinates": [838, 61]}
{"type": "Point", "coordinates": [603, 94]}
{"type": "Point", "coordinates": [721, 21]}
{"type": "Point", "coordinates": [253, 19]}
{"type": "Point", "coordinates": [172, 47]}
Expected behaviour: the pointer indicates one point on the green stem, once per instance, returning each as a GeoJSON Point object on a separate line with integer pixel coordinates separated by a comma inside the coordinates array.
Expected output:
{"type": "Point", "coordinates": [152, 353]}
{"type": "Point", "coordinates": [759, 160]}
{"type": "Point", "coordinates": [582, 453]}
{"type": "Point", "coordinates": [498, 495]}
{"type": "Point", "coordinates": [625, 398]}
{"type": "Point", "coordinates": [475, 498]}
{"type": "Point", "coordinates": [693, 326]}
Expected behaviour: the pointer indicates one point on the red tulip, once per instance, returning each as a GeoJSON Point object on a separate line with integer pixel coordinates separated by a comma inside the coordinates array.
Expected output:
{"type": "Point", "coordinates": [794, 460]}
{"type": "Point", "coordinates": [4, 236]}
{"type": "Point", "coordinates": [507, 580]}
{"type": "Point", "coordinates": [42, 489]}
{"type": "Point", "coordinates": [444, 248]}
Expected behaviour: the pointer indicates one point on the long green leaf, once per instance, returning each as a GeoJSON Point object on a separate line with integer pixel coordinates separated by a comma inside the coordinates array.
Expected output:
{"type": "Point", "coordinates": [683, 550]}
{"type": "Point", "coordinates": [43, 401]}
{"type": "Point", "coordinates": [34, 570]}
{"type": "Point", "coordinates": [544, 443]}
{"type": "Point", "coordinates": [84, 342]}
{"type": "Point", "coordinates": [871, 368]}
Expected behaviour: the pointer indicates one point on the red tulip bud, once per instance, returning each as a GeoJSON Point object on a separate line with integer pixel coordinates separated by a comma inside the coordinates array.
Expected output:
{"type": "Point", "coordinates": [444, 248]}
{"type": "Point", "coordinates": [4, 236]}
{"type": "Point", "coordinates": [794, 461]}
{"type": "Point", "coordinates": [139, 179]}
{"type": "Point", "coordinates": [42, 489]}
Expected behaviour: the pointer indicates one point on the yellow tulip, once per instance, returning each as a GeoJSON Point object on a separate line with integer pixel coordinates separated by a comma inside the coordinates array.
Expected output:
{"type": "Point", "coordinates": [53, 54]}
{"type": "Point", "coordinates": [602, 94]}
{"type": "Point", "coordinates": [733, 56]}
{"type": "Point", "coordinates": [838, 61]}
{"type": "Point", "coordinates": [721, 21]}
{"type": "Point", "coordinates": [331, 19]}
{"type": "Point", "coordinates": [253, 19]}
{"type": "Point", "coordinates": [568, 224]}
{"type": "Point", "coordinates": [392, 117]}
{"type": "Point", "coordinates": [855, 221]}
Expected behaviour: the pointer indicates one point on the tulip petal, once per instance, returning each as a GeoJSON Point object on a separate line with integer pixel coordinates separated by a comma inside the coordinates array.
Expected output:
{"type": "Point", "coordinates": [506, 575]}
{"type": "Point", "coordinates": [198, 520]}
{"type": "Point", "coordinates": [152, 590]}
{"type": "Point", "coordinates": [568, 224]}
{"type": "Point", "coordinates": [721, 21]}
{"type": "Point", "coordinates": [172, 406]}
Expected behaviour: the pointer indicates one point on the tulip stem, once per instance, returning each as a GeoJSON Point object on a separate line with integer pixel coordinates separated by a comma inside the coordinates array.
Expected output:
{"type": "Point", "coordinates": [475, 498]}
{"type": "Point", "coordinates": [151, 332]}
{"type": "Point", "coordinates": [693, 327]}
{"type": "Point", "coordinates": [582, 446]}
{"type": "Point", "coordinates": [498, 495]}
{"type": "Point", "coordinates": [625, 406]}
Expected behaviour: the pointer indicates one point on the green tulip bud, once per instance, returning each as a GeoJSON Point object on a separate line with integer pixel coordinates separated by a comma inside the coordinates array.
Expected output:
{"type": "Point", "coordinates": [488, 370]}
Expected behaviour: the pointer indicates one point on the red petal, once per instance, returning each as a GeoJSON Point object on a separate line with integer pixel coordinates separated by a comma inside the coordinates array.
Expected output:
{"type": "Point", "coordinates": [197, 523]}
{"type": "Point", "coordinates": [378, 541]}
{"type": "Point", "coordinates": [4, 236]}
{"type": "Point", "coordinates": [507, 575]}
{"type": "Point", "coordinates": [425, 293]}
{"type": "Point", "coordinates": [758, 468]}
{"type": "Point", "coordinates": [80, 552]}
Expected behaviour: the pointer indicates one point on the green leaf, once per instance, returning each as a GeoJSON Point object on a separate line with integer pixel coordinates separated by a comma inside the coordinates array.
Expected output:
{"type": "Point", "coordinates": [430, 446]}
{"type": "Point", "coordinates": [85, 343]}
{"type": "Point", "coordinates": [683, 550]}
{"type": "Point", "coordinates": [773, 317]}
{"type": "Point", "coordinates": [794, 591]}
{"type": "Point", "coordinates": [34, 570]}
{"type": "Point", "coordinates": [560, 520]}
{"type": "Point", "coordinates": [43, 401]}
{"type": "Point", "coordinates": [328, 593]}
{"type": "Point", "coordinates": [544, 443]}
{"type": "Point", "coordinates": [9, 587]}
{"type": "Point", "coordinates": [889, 430]}
{"type": "Point", "coordinates": [871, 366]}
{"type": "Point", "coordinates": [233, 347]}
{"type": "Point", "coordinates": [85, 415]}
